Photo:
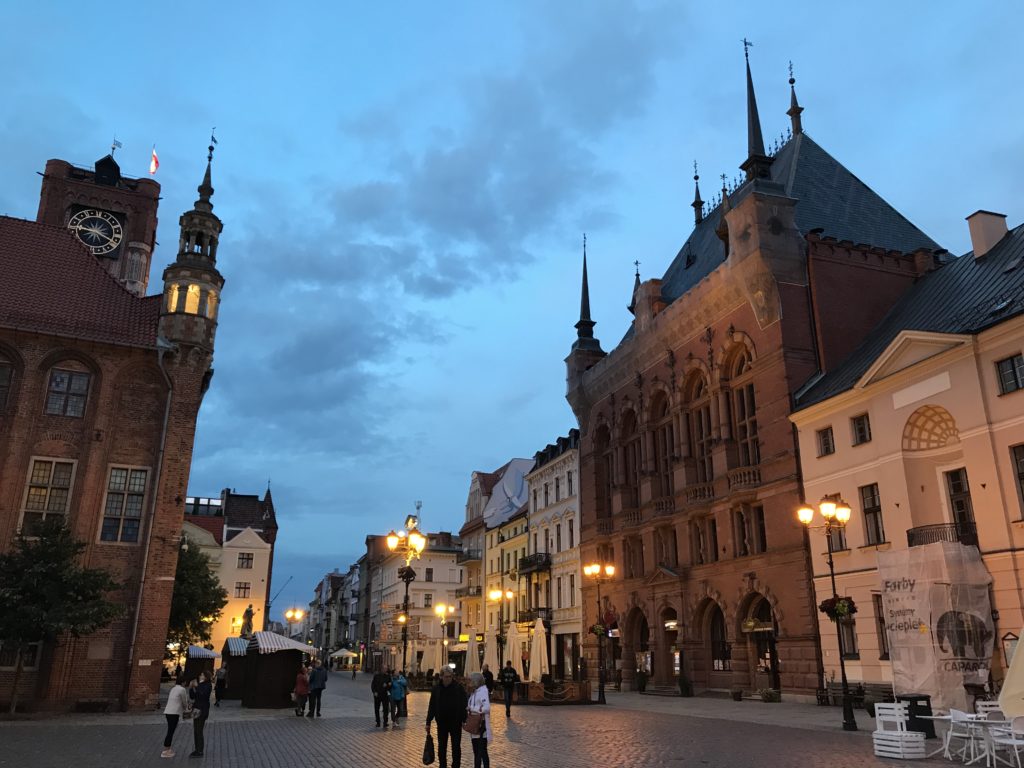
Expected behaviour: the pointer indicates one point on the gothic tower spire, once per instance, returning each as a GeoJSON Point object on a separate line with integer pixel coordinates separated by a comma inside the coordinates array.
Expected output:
{"type": "Point", "coordinates": [585, 326]}
{"type": "Point", "coordinates": [758, 164]}
{"type": "Point", "coordinates": [794, 108]}
{"type": "Point", "coordinates": [698, 204]}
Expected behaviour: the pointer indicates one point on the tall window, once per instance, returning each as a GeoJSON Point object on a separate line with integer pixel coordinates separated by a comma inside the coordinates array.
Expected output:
{"type": "Point", "coordinates": [871, 503]}
{"type": "Point", "coordinates": [838, 536]}
{"type": "Point", "coordinates": [429, 575]}
{"type": "Point", "coordinates": [547, 500]}
{"type": "Point", "coordinates": [572, 535]}
{"type": "Point", "coordinates": [534, 499]}
{"type": "Point", "coordinates": [848, 638]}
{"type": "Point", "coordinates": [572, 590]}
{"type": "Point", "coordinates": [48, 492]}
{"type": "Point", "coordinates": [699, 418]}
{"type": "Point", "coordinates": [750, 532]}
{"type": "Point", "coordinates": [428, 599]}
{"type": "Point", "coordinates": [122, 510]}
{"type": "Point", "coordinates": [558, 537]}
{"type": "Point", "coordinates": [568, 482]}
{"type": "Point", "coordinates": [664, 438]}
{"type": "Point", "coordinates": [744, 414]}
{"type": "Point", "coordinates": [67, 393]}
{"type": "Point", "coordinates": [1017, 452]}
{"type": "Point", "coordinates": [698, 543]}
{"type": "Point", "coordinates": [245, 560]}
{"type": "Point", "coordinates": [860, 427]}
{"type": "Point", "coordinates": [603, 471]}
{"type": "Point", "coordinates": [712, 528]}
{"type": "Point", "coordinates": [243, 588]}
{"type": "Point", "coordinates": [959, 491]}
{"type": "Point", "coordinates": [883, 637]}
{"type": "Point", "coordinates": [826, 442]}
{"type": "Point", "coordinates": [1011, 374]}
{"type": "Point", "coordinates": [558, 592]}
{"type": "Point", "coordinates": [6, 374]}
{"type": "Point", "coordinates": [631, 457]}
{"type": "Point", "coordinates": [721, 651]}
{"type": "Point", "coordinates": [558, 488]}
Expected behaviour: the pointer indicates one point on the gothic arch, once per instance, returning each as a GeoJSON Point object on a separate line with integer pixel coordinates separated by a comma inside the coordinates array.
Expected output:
{"type": "Point", "coordinates": [930, 427]}
{"type": "Point", "coordinates": [67, 353]}
{"type": "Point", "coordinates": [696, 385]}
{"type": "Point", "coordinates": [747, 596]}
{"type": "Point", "coordinates": [737, 360]}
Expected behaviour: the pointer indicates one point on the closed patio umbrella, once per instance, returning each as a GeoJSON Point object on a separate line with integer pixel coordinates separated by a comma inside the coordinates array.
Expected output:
{"type": "Point", "coordinates": [513, 648]}
{"type": "Point", "coordinates": [539, 652]}
{"type": "Point", "coordinates": [491, 652]}
{"type": "Point", "coordinates": [438, 657]}
{"type": "Point", "coordinates": [472, 654]}
{"type": "Point", "coordinates": [1011, 697]}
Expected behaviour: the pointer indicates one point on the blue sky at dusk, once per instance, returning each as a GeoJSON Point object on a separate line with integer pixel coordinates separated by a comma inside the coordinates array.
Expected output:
{"type": "Point", "coordinates": [404, 186]}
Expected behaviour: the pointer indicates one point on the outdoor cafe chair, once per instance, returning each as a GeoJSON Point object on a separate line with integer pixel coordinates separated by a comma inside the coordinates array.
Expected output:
{"type": "Point", "coordinates": [983, 708]}
{"type": "Point", "coordinates": [1012, 738]}
{"type": "Point", "coordinates": [959, 728]}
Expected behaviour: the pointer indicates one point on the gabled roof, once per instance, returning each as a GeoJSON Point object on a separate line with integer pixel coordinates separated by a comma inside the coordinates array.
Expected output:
{"type": "Point", "coordinates": [52, 284]}
{"type": "Point", "coordinates": [249, 511]}
{"type": "Point", "coordinates": [964, 296]}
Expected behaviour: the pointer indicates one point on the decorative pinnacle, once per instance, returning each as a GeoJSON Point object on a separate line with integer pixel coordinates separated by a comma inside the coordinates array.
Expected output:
{"type": "Point", "coordinates": [746, 48]}
{"type": "Point", "coordinates": [794, 107]}
{"type": "Point", "coordinates": [698, 204]}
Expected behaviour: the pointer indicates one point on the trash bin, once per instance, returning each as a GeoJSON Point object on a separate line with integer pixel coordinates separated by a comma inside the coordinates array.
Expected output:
{"type": "Point", "coordinates": [919, 705]}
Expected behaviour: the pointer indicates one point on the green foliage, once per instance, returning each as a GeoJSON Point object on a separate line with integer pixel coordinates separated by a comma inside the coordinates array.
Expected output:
{"type": "Point", "coordinates": [197, 602]}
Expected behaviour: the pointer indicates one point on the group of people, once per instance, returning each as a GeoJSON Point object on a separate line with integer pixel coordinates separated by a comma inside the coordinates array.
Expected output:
{"type": "Point", "coordinates": [389, 690]}
{"type": "Point", "coordinates": [310, 683]}
{"type": "Point", "coordinates": [192, 702]}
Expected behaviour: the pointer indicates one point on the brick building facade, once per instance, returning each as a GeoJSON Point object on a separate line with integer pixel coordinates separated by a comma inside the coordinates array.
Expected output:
{"type": "Point", "coordinates": [689, 477]}
{"type": "Point", "coordinates": [100, 388]}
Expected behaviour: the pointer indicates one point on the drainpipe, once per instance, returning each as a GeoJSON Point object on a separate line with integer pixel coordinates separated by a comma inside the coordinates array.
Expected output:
{"type": "Point", "coordinates": [163, 347]}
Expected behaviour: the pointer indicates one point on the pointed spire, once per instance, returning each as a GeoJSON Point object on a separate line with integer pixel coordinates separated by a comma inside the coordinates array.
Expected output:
{"type": "Point", "coordinates": [636, 287]}
{"type": "Point", "coordinates": [794, 107]}
{"type": "Point", "coordinates": [698, 204]}
{"type": "Point", "coordinates": [722, 230]}
{"type": "Point", "coordinates": [206, 188]}
{"type": "Point", "coordinates": [585, 326]}
{"type": "Point", "coordinates": [758, 164]}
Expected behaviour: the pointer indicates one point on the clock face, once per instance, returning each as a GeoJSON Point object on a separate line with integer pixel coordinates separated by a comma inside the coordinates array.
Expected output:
{"type": "Point", "coordinates": [100, 231]}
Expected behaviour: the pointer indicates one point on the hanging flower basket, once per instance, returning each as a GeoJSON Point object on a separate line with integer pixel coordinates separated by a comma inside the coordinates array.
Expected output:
{"type": "Point", "coordinates": [599, 629]}
{"type": "Point", "coordinates": [837, 608]}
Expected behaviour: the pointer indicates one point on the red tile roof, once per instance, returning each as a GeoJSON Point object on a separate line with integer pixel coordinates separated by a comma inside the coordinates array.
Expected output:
{"type": "Point", "coordinates": [212, 523]}
{"type": "Point", "coordinates": [51, 284]}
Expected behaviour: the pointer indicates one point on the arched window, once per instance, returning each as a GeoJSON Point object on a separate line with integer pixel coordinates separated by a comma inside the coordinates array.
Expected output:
{"type": "Point", "coordinates": [763, 638]}
{"type": "Point", "coordinates": [603, 465]}
{"type": "Point", "coordinates": [721, 651]}
{"type": "Point", "coordinates": [744, 411]}
{"type": "Point", "coordinates": [631, 459]}
{"type": "Point", "coordinates": [699, 419]}
{"type": "Point", "coordinates": [6, 377]}
{"type": "Point", "coordinates": [68, 389]}
{"type": "Point", "coordinates": [211, 304]}
{"type": "Point", "coordinates": [664, 439]}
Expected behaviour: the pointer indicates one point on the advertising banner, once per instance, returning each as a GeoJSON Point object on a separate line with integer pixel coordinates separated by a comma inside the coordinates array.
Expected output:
{"type": "Point", "coordinates": [938, 619]}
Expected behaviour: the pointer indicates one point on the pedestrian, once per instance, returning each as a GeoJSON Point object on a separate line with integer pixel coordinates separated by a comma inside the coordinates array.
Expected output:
{"type": "Point", "coordinates": [488, 679]}
{"type": "Point", "coordinates": [480, 704]}
{"type": "Point", "coordinates": [353, 671]}
{"type": "Point", "coordinates": [508, 677]}
{"type": "Point", "coordinates": [317, 683]}
{"type": "Point", "coordinates": [448, 706]}
{"type": "Point", "coordinates": [399, 686]}
{"type": "Point", "coordinates": [221, 685]}
{"type": "Point", "coordinates": [203, 690]}
{"type": "Point", "coordinates": [177, 705]}
{"type": "Point", "coordinates": [301, 690]}
{"type": "Point", "coordinates": [380, 685]}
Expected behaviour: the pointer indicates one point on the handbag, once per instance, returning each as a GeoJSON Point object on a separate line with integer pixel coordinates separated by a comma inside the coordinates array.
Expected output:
{"type": "Point", "coordinates": [428, 750]}
{"type": "Point", "coordinates": [187, 714]}
{"type": "Point", "coordinates": [295, 696]}
{"type": "Point", "coordinates": [474, 724]}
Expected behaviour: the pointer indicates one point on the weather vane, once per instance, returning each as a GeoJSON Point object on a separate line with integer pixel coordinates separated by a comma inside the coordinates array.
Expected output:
{"type": "Point", "coordinates": [746, 48]}
{"type": "Point", "coordinates": [637, 265]}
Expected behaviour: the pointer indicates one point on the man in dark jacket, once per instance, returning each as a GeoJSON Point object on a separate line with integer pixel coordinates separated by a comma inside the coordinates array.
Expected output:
{"type": "Point", "coordinates": [488, 679]}
{"type": "Point", "coordinates": [448, 706]}
{"type": "Point", "coordinates": [317, 683]}
{"type": "Point", "coordinates": [508, 678]}
{"type": "Point", "coordinates": [380, 685]}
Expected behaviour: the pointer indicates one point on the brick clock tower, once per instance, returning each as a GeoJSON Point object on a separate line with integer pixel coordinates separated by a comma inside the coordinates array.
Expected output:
{"type": "Point", "coordinates": [114, 216]}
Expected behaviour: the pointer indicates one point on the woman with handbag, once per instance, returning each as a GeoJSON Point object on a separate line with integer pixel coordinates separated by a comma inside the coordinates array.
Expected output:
{"type": "Point", "coordinates": [478, 720]}
{"type": "Point", "coordinates": [177, 706]}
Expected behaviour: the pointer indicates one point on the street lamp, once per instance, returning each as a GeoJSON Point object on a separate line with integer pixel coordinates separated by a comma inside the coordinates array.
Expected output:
{"type": "Point", "coordinates": [443, 611]}
{"type": "Point", "coordinates": [496, 596]}
{"type": "Point", "coordinates": [410, 543]}
{"type": "Point", "coordinates": [836, 514]}
{"type": "Point", "coordinates": [600, 572]}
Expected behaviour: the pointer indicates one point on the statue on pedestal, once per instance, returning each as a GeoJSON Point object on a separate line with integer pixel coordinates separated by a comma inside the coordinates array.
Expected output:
{"type": "Point", "coordinates": [247, 622]}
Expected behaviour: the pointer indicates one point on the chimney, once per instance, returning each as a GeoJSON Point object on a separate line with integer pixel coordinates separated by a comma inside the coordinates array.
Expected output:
{"type": "Point", "coordinates": [987, 229]}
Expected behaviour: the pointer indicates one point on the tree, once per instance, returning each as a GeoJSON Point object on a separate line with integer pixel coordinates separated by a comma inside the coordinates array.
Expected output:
{"type": "Point", "coordinates": [45, 593]}
{"type": "Point", "coordinates": [197, 602]}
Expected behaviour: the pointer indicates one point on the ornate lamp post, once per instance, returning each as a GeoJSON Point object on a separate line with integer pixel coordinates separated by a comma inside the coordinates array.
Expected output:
{"type": "Point", "coordinates": [600, 572]}
{"type": "Point", "coordinates": [410, 543]}
{"type": "Point", "coordinates": [497, 596]}
{"type": "Point", "coordinates": [443, 611]}
{"type": "Point", "coordinates": [836, 514]}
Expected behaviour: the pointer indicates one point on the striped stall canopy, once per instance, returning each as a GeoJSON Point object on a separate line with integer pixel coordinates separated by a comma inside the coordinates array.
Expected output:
{"type": "Point", "coordinates": [237, 646]}
{"type": "Point", "coordinates": [271, 642]}
{"type": "Point", "coordinates": [198, 652]}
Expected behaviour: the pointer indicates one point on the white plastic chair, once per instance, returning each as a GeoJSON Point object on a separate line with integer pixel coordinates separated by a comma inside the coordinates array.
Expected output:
{"type": "Point", "coordinates": [891, 737]}
{"type": "Point", "coordinates": [1011, 739]}
{"type": "Point", "coordinates": [983, 708]}
{"type": "Point", "coordinates": [959, 728]}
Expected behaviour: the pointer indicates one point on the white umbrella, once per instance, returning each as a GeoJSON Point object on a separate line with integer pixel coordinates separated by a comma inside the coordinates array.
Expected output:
{"type": "Point", "coordinates": [1011, 697]}
{"type": "Point", "coordinates": [411, 663]}
{"type": "Point", "coordinates": [491, 653]}
{"type": "Point", "coordinates": [438, 656]}
{"type": "Point", "coordinates": [472, 654]}
{"type": "Point", "coordinates": [513, 648]}
{"type": "Point", "coordinates": [539, 652]}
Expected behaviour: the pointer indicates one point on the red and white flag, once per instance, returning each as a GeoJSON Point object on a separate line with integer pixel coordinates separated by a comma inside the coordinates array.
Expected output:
{"type": "Point", "coordinates": [154, 162]}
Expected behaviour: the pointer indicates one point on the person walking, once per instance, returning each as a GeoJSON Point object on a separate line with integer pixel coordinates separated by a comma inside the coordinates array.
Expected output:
{"type": "Point", "coordinates": [317, 683]}
{"type": "Point", "coordinates": [177, 705]}
{"type": "Point", "coordinates": [508, 677]}
{"type": "Point", "coordinates": [399, 687]}
{"type": "Point", "coordinates": [448, 706]}
{"type": "Point", "coordinates": [480, 703]}
{"type": "Point", "coordinates": [220, 684]}
{"type": "Point", "coordinates": [353, 672]}
{"type": "Point", "coordinates": [380, 685]}
{"type": "Point", "coordinates": [488, 679]}
{"type": "Point", "coordinates": [203, 690]}
{"type": "Point", "coordinates": [301, 690]}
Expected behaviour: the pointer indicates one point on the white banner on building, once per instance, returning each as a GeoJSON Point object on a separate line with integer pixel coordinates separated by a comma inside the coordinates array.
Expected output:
{"type": "Point", "coordinates": [938, 618]}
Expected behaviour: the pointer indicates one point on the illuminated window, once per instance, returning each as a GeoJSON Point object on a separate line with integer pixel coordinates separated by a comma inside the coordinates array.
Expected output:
{"type": "Point", "coordinates": [172, 297]}
{"type": "Point", "coordinates": [211, 305]}
{"type": "Point", "coordinates": [192, 300]}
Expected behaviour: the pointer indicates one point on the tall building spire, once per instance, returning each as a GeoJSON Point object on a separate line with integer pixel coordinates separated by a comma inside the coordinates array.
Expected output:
{"type": "Point", "coordinates": [636, 287]}
{"type": "Point", "coordinates": [206, 187]}
{"type": "Point", "coordinates": [698, 204]}
{"type": "Point", "coordinates": [794, 107]}
{"type": "Point", "coordinates": [585, 326]}
{"type": "Point", "coordinates": [758, 164]}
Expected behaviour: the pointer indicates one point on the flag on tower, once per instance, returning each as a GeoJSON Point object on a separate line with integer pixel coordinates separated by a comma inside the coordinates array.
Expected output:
{"type": "Point", "coordinates": [154, 162]}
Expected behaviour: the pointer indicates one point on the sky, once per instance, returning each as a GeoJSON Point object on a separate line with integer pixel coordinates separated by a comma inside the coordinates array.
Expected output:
{"type": "Point", "coordinates": [404, 187]}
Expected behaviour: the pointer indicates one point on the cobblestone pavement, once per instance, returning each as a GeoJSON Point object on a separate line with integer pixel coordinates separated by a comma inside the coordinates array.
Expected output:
{"type": "Point", "coordinates": [632, 731]}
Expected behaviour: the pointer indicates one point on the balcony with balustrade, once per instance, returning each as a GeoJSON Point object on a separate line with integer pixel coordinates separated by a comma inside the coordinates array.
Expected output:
{"type": "Point", "coordinates": [700, 493]}
{"type": "Point", "coordinates": [469, 591]}
{"type": "Point", "coordinates": [744, 477]}
{"type": "Point", "coordinates": [469, 556]}
{"type": "Point", "coordinates": [533, 614]}
{"type": "Point", "coordinates": [539, 561]}
{"type": "Point", "coordinates": [605, 526]}
{"type": "Point", "coordinates": [965, 532]}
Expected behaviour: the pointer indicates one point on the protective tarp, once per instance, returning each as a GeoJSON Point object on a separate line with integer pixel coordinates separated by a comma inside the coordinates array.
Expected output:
{"type": "Point", "coordinates": [938, 618]}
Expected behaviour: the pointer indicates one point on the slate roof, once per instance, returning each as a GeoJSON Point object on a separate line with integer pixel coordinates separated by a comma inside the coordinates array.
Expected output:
{"type": "Point", "coordinates": [249, 511]}
{"type": "Point", "coordinates": [52, 284]}
{"type": "Point", "coordinates": [964, 296]}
